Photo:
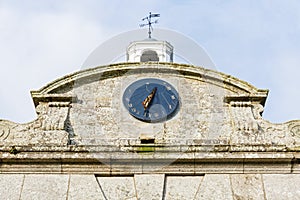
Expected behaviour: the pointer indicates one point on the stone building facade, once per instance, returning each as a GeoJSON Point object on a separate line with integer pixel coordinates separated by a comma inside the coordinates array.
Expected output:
{"type": "Point", "coordinates": [86, 143]}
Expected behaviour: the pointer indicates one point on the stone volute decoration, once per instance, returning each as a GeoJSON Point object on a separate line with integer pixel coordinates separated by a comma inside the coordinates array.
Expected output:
{"type": "Point", "coordinates": [87, 141]}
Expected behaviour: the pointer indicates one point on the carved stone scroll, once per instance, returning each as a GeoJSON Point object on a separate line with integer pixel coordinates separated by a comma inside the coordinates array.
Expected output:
{"type": "Point", "coordinates": [52, 115]}
{"type": "Point", "coordinates": [243, 117]}
{"type": "Point", "coordinates": [294, 128]}
{"type": "Point", "coordinates": [4, 130]}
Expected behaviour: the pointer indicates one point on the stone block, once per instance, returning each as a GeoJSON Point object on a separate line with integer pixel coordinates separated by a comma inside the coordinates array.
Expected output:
{"type": "Point", "coordinates": [215, 186]}
{"type": "Point", "coordinates": [117, 187]}
{"type": "Point", "coordinates": [84, 187]}
{"type": "Point", "coordinates": [247, 186]}
{"type": "Point", "coordinates": [149, 186]}
{"type": "Point", "coordinates": [282, 186]}
{"type": "Point", "coordinates": [182, 187]}
{"type": "Point", "coordinates": [11, 186]}
{"type": "Point", "coordinates": [43, 186]}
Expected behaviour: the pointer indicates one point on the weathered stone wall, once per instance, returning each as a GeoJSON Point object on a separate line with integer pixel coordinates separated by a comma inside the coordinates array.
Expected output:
{"type": "Point", "coordinates": [88, 146]}
{"type": "Point", "coordinates": [212, 107]}
{"type": "Point", "coordinates": [100, 113]}
{"type": "Point", "coordinates": [150, 186]}
{"type": "Point", "coordinates": [86, 108]}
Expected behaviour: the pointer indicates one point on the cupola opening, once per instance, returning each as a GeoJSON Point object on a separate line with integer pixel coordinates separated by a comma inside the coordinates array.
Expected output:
{"type": "Point", "coordinates": [149, 55]}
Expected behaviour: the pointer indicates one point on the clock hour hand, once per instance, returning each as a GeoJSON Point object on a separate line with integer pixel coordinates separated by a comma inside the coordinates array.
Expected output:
{"type": "Point", "coordinates": [149, 98]}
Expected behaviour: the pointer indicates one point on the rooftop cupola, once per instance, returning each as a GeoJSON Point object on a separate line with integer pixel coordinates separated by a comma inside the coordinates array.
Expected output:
{"type": "Point", "coordinates": [150, 50]}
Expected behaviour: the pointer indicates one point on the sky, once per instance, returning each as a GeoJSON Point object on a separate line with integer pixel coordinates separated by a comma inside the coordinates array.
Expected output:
{"type": "Point", "coordinates": [254, 40]}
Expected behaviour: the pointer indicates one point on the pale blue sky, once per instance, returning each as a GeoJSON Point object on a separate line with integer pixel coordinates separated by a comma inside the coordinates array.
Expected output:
{"type": "Point", "coordinates": [256, 41]}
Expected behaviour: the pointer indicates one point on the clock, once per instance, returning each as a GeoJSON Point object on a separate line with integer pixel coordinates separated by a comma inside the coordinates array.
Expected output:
{"type": "Point", "coordinates": [151, 100]}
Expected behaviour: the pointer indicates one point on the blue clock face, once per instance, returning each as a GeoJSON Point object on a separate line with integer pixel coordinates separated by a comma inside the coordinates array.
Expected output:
{"type": "Point", "coordinates": [151, 100]}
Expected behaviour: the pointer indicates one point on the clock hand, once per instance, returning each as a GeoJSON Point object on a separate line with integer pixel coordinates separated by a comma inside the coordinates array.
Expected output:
{"type": "Point", "coordinates": [149, 98]}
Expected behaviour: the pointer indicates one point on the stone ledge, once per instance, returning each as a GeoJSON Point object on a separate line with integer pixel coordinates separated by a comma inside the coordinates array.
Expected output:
{"type": "Point", "coordinates": [52, 98]}
{"type": "Point", "coordinates": [134, 146]}
{"type": "Point", "coordinates": [124, 163]}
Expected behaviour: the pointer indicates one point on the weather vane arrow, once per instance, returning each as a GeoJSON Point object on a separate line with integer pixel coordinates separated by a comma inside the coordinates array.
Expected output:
{"type": "Point", "coordinates": [150, 22]}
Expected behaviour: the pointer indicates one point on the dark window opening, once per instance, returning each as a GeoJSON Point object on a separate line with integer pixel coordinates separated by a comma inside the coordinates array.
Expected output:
{"type": "Point", "coordinates": [148, 141]}
{"type": "Point", "coordinates": [149, 56]}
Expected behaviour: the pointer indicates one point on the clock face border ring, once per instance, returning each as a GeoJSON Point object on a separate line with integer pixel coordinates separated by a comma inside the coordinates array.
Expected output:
{"type": "Point", "coordinates": [147, 104]}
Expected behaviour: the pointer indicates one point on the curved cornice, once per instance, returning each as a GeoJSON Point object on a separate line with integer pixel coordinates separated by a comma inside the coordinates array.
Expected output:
{"type": "Point", "coordinates": [188, 71]}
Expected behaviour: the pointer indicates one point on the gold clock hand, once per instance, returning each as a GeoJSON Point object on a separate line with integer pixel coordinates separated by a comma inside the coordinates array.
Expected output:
{"type": "Point", "coordinates": [149, 98]}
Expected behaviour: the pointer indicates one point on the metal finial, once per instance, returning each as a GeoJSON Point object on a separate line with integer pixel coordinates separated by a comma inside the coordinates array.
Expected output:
{"type": "Point", "coordinates": [149, 22]}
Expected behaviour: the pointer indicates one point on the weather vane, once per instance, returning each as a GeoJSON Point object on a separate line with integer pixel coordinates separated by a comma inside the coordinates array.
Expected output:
{"type": "Point", "coordinates": [149, 22]}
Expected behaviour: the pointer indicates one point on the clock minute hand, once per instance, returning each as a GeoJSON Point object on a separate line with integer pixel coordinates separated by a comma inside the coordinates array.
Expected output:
{"type": "Point", "coordinates": [149, 98]}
